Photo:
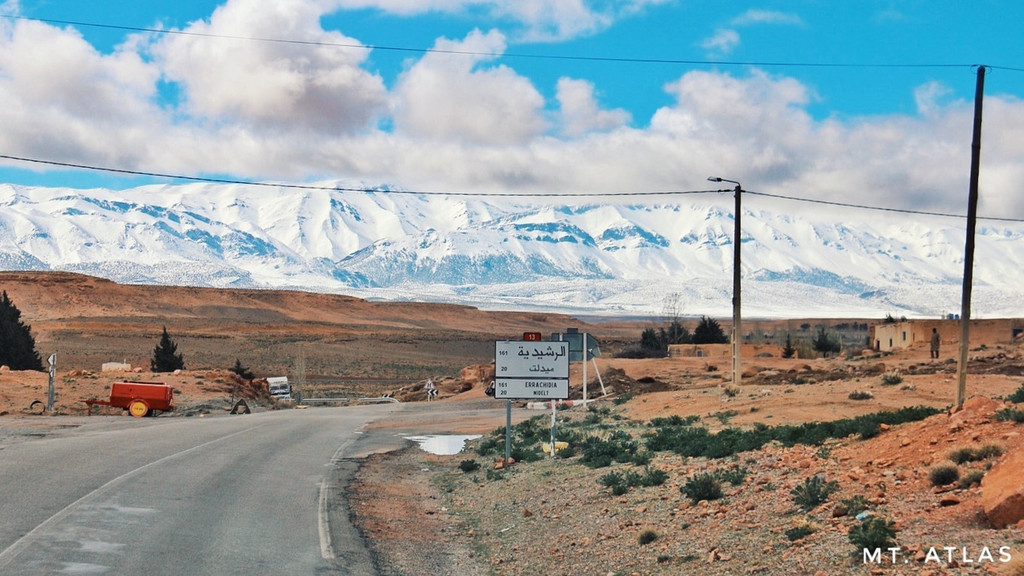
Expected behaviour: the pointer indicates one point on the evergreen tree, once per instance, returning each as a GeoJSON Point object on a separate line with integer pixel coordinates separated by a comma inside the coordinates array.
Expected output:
{"type": "Point", "coordinates": [788, 351]}
{"type": "Point", "coordinates": [709, 331]}
{"type": "Point", "coordinates": [242, 371]}
{"type": "Point", "coordinates": [17, 346]}
{"type": "Point", "coordinates": [652, 345]}
{"type": "Point", "coordinates": [676, 333]}
{"type": "Point", "coordinates": [825, 344]}
{"type": "Point", "coordinates": [164, 357]}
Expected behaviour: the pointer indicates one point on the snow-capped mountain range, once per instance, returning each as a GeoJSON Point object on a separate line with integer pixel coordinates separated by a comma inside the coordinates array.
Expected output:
{"type": "Point", "coordinates": [592, 257]}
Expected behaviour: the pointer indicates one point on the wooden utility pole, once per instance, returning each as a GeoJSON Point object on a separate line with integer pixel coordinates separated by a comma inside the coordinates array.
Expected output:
{"type": "Point", "coordinates": [972, 224]}
{"type": "Point", "coordinates": [737, 338]}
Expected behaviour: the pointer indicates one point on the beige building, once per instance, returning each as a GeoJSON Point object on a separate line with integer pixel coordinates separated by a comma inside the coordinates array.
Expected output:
{"type": "Point", "coordinates": [909, 333]}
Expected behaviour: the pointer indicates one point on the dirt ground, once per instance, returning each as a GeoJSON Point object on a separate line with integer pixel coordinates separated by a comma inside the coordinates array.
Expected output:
{"type": "Point", "coordinates": [554, 518]}
{"type": "Point", "coordinates": [413, 508]}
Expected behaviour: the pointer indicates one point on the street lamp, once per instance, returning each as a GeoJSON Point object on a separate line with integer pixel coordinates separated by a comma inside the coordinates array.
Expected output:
{"type": "Point", "coordinates": [737, 375]}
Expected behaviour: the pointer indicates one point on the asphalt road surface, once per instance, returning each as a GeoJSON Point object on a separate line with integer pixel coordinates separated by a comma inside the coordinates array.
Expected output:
{"type": "Point", "coordinates": [246, 494]}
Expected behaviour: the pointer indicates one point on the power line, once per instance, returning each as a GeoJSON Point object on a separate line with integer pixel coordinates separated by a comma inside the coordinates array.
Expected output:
{"type": "Point", "coordinates": [483, 194]}
{"type": "Point", "coordinates": [877, 208]}
{"type": "Point", "coordinates": [345, 188]}
{"type": "Point", "coordinates": [521, 55]}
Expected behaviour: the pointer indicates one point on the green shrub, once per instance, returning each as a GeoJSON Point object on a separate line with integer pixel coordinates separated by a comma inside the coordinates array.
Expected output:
{"type": "Point", "coordinates": [536, 429]}
{"type": "Point", "coordinates": [943, 475]}
{"type": "Point", "coordinates": [971, 478]}
{"type": "Point", "coordinates": [989, 451]}
{"type": "Point", "coordinates": [968, 454]}
{"type": "Point", "coordinates": [621, 483]}
{"type": "Point", "coordinates": [892, 378]}
{"type": "Point", "coordinates": [703, 486]}
{"type": "Point", "coordinates": [798, 532]}
{"type": "Point", "coordinates": [531, 454]}
{"type": "Point", "coordinates": [618, 447]}
{"type": "Point", "coordinates": [611, 479]}
{"type": "Point", "coordinates": [674, 420]}
{"type": "Point", "coordinates": [725, 416]}
{"type": "Point", "coordinates": [854, 505]}
{"type": "Point", "coordinates": [861, 395]}
{"type": "Point", "coordinates": [647, 536]}
{"type": "Point", "coordinates": [733, 476]}
{"type": "Point", "coordinates": [623, 399]}
{"type": "Point", "coordinates": [677, 435]}
{"type": "Point", "coordinates": [872, 534]}
{"type": "Point", "coordinates": [813, 492]}
{"type": "Point", "coordinates": [653, 477]}
{"type": "Point", "coordinates": [1010, 415]}
{"type": "Point", "coordinates": [567, 452]}
{"type": "Point", "coordinates": [468, 466]}
{"type": "Point", "coordinates": [490, 445]}
{"type": "Point", "coordinates": [1018, 396]}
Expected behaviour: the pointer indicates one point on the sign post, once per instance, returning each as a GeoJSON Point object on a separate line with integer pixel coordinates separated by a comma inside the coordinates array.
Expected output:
{"type": "Point", "coordinates": [528, 370]}
{"type": "Point", "coordinates": [508, 430]}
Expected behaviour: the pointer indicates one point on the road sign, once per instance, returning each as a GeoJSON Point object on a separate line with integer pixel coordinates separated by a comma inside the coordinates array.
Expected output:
{"type": "Point", "coordinates": [531, 369]}
{"type": "Point", "coordinates": [531, 359]}
{"type": "Point", "coordinates": [522, 388]}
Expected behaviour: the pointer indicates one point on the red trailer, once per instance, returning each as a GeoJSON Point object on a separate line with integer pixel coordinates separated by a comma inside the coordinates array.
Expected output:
{"type": "Point", "coordinates": [138, 398]}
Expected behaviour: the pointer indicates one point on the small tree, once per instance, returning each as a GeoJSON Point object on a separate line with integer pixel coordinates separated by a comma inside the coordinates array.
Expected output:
{"type": "Point", "coordinates": [17, 346]}
{"type": "Point", "coordinates": [708, 331]}
{"type": "Point", "coordinates": [165, 358]}
{"type": "Point", "coordinates": [652, 344]}
{"type": "Point", "coordinates": [243, 372]}
{"type": "Point", "coordinates": [788, 351]}
{"type": "Point", "coordinates": [825, 344]}
{"type": "Point", "coordinates": [676, 333]}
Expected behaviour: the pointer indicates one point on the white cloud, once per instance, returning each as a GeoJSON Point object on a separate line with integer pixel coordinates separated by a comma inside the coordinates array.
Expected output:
{"type": "Point", "coordinates": [724, 40]}
{"type": "Point", "coordinates": [754, 16]}
{"type": "Point", "coordinates": [464, 123]}
{"type": "Point", "coordinates": [928, 97]}
{"type": "Point", "coordinates": [528, 20]}
{"type": "Point", "coordinates": [446, 96]}
{"type": "Point", "coordinates": [68, 101]}
{"type": "Point", "coordinates": [271, 84]}
{"type": "Point", "coordinates": [581, 112]}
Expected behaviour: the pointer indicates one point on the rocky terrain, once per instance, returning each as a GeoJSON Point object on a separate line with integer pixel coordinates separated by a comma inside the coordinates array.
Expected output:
{"type": "Point", "coordinates": [425, 513]}
{"type": "Point", "coordinates": [558, 516]}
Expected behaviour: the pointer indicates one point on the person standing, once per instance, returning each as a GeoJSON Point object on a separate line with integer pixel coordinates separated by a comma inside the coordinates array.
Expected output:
{"type": "Point", "coordinates": [936, 340]}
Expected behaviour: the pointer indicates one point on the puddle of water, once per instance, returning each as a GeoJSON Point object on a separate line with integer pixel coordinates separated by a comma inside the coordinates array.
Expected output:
{"type": "Point", "coordinates": [443, 444]}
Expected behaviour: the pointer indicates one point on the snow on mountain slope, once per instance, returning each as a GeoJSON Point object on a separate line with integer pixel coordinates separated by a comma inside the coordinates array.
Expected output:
{"type": "Point", "coordinates": [591, 257]}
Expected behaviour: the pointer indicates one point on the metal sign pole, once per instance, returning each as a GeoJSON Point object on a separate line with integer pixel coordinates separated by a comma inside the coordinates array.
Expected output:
{"type": "Point", "coordinates": [508, 430]}
{"type": "Point", "coordinates": [554, 403]}
{"type": "Point", "coordinates": [584, 369]}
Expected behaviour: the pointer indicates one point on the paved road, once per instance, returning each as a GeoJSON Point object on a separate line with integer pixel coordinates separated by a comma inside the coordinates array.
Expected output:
{"type": "Point", "coordinates": [246, 494]}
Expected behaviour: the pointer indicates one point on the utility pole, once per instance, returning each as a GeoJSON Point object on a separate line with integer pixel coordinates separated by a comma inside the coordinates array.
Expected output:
{"type": "Point", "coordinates": [737, 344]}
{"type": "Point", "coordinates": [972, 224]}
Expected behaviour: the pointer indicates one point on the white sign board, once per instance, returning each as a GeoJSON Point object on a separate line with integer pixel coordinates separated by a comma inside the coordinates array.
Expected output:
{"type": "Point", "coordinates": [521, 388]}
{"type": "Point", "coordinates": [525, 370]}
{"type": "Point", "coordinates": [513, 359]}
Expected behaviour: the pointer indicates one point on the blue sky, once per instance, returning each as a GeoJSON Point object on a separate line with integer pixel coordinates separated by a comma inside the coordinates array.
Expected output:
{"type": "Point", "coordinates": [871, 104]}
